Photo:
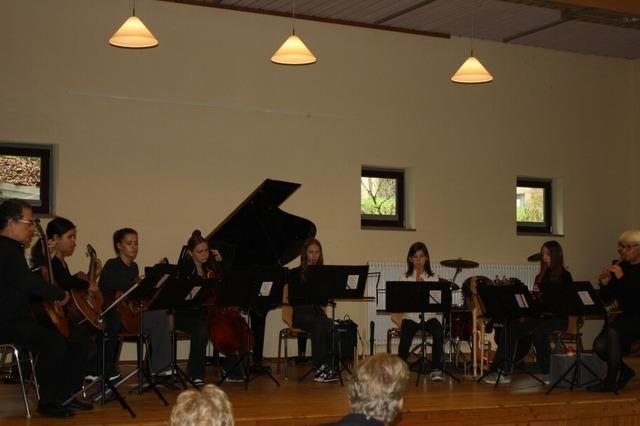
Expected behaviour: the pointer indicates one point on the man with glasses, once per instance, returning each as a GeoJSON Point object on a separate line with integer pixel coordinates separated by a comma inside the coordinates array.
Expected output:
{"type": "Point", "coordinates": [621, 282]}
{"type": "Point", "coordinates": [60, 363]}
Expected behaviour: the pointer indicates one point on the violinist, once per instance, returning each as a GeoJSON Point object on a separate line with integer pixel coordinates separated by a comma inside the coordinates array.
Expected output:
{"type": "Point", "coordinates": [61, 237]}
{"type": "Point", "coordinates": [60, 361]}
{"type": "Point", "coordinates": [419, 269]}
{"type": "Point", "coordinates": [541, 325]}
{"type": "Point", "coordinates": [621, 282]}
{"type": "Point", "coordinates": [312, 318]}
{"type": "Point", "coordinates": [119, 274]}
{"type": "Point", "coordinates": [198, 266]}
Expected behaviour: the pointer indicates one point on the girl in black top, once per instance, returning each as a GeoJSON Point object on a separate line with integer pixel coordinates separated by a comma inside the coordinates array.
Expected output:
{"type": "Point", "coordinates": [312, 318]}
{"type": "Point", "coordinates": [120, 273]}
{"type": "Point", "coordinates": [194, 320]}
{"type": "Point", "coordinates": [539, 327]}
{"type": "Point", "coordinates": [620, 282]}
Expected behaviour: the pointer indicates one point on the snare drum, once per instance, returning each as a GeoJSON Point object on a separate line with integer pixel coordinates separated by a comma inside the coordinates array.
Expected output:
{"type": "Point", "coordinates": [461, 324]}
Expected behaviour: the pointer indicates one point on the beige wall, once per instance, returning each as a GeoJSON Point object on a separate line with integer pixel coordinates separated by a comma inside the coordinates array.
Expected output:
{"type": "Point", "coordinates": [171, 139]}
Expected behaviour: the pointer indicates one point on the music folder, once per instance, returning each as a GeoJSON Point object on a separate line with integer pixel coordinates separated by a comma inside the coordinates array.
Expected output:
{"type": "Point", "coordinates": [325, 282]}
{"type": "Point", "coordinates": [418, 296]}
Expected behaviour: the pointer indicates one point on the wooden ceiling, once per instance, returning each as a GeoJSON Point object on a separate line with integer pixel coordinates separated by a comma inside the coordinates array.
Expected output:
{"type": "Point", "coordinates": [596, 27]}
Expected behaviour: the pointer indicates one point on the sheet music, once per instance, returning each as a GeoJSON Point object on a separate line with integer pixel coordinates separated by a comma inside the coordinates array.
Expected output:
{"type": "Point", "coordinates": [161, 281]}
{"type": "Point", "coordinates": [352, 282]}
{"type": "Point", "coordinates": [435, 297]}
{"type": "Point", "coordinates": [586, 299]}
{"type": "Point", "coordinates": [193, 293]}
{"type": "Point", "coordinates": [265, 288]}
{"type": "Point", "coordinates": [522, 301]}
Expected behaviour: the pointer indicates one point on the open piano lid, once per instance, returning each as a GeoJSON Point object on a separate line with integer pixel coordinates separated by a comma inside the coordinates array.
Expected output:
{"type": "Point", "coordinates": [260, 232]}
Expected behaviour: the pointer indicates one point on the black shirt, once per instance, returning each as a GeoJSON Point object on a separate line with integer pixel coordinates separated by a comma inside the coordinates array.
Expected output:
{"type": "Point", "coordinates": [625, 290]}
{"type": "Point", "coordinates": [555, 291]}
{"type": "Point", "coordinates": [63, 277]}
{"type": "Point", "coordinates": [18, 283]}
{"type": "Point", "coordinates": [116, 275]}
{"type": "Point", "coordinates": [357, 420]}
{"type": "Point", "coordinates": [296, 282]}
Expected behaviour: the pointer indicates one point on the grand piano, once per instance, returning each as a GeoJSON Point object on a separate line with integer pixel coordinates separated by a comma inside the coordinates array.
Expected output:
{"type": "Point", "coordinates": [258, 233]}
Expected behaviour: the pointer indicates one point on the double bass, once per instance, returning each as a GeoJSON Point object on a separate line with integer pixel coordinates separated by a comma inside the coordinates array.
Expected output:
{"type": "Point", "coordinates": [261, 235]}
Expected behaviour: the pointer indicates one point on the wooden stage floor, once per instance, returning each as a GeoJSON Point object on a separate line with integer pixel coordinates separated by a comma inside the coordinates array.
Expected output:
{"type": "Point", "coordinates": [308, 403]}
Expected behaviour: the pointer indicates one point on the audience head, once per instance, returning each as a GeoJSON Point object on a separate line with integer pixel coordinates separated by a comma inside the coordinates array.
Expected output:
{"type": "Point", "coordinates": [207, 407]}
{"type": "Point", "coordinates": [629, 246]}
{"type": "Point", "coordinates": [378, 386]}
{"type": "Point", "coordinates": [418, 258]}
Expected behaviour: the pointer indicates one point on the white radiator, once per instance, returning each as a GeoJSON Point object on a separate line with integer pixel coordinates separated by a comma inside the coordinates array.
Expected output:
{"type": "Point", "coordinates": [392, 271]}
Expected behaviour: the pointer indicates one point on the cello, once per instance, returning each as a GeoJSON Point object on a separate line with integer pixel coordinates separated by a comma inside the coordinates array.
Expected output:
{"type": "Point", "coordinates": [88, 302]}
{"type": "Point", "coordinates": [46, 310]}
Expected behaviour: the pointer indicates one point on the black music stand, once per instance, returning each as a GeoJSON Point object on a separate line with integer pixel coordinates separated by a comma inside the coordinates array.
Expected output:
{"type": "Point", "coordinates": [505, 303]}
{"type": "Point", "coordinates": [323, 286]}
{"type": "Point", "coordinates": [580, 299]}
{"type": "Point", "coordinates": [252, 288]}
{"type": "Point", "coordinates": [178, 293]}
{"type": "Point", "coordinates": [420, 297]}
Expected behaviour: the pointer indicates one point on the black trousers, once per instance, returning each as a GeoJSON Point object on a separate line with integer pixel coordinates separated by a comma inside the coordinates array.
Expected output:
{"type": "Point", "coordinates": [61, 362]}
{"type": "Point", "coordinates": [614, 341]}
{"type": "Point", "coordinates": [112, 327]}
{"type": "Point", "coordinates": [539, 329]}
{"type": "Point", "coordinates": [194, 322]}
{"type": "Point", "coordinates": [408, 330]}
{"type": "Point", "coordinates": [319, 329]}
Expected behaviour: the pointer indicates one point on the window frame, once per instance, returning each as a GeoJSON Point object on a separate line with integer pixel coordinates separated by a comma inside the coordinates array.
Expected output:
{"type": "Point", "coordinates": [45, 153]}
{"type": "Point", "coordinates": [399, 177]}
{"type": "Point", "coordinates": [532, 227]}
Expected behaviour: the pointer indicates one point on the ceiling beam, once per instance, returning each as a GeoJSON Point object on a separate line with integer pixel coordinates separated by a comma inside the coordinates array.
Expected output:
{"type": "Point", "coordinates": [534, 30]}
{"type": "Point", "coordinates": [631, 7]}
{"type": "Point", "coordinates": [403, 11]}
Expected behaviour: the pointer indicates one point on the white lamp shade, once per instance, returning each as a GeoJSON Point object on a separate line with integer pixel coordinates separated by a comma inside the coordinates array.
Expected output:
{"type": "Point", "coordinates": [472, 72]}
{"type": "Point", "coordinates": [293, 52]}
{"type": "Point", "coordinates": [133, 34]}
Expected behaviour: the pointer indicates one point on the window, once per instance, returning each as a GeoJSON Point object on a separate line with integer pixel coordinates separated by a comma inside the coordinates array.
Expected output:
{"type": "Point", "coordinates": [25, 173]}
{"type": "Point", "coordinates": [382, 198]}
{"type": "Point", "coordinates": [533, 206]}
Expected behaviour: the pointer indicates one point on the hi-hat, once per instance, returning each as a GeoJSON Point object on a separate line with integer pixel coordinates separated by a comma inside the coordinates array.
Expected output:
{"type": "Point", "coordinates": [459, 263]}
{"type": "Point", "coordinates": [536, 257]}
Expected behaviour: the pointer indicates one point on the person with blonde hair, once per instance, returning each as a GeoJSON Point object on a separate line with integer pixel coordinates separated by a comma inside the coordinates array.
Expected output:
{"type": "Point", "coordinates": [620, 281]}
{"type": "Point", "coordinates": [376, 391]}
{"type": "Point", "coordinates": [208, 407]}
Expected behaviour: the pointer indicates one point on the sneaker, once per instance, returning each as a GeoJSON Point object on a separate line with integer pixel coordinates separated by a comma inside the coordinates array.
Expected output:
{"type": "Point", "coordinates": [91, 377]}
{"type": "Point", "coordinates": [165, 373]}
{"type": "Point", "coordinates": [492, 379]}
{"type": "Point", "coordinates": [326, 377]}
{"type": "Point", "coordinates": [319, 371]}
{"type": "Point", "coordinates": [546, 379]}
{"type": "Point", "coordinates": [198, 382]}
{"type": "Point", "coordinates": [115, 375]}
{"type": "Point", "coordinates": [234, 379]}
{"type": "Point", "coordinates": [626, 374]}
{"type": "Point", "coordinates": [436, 376]}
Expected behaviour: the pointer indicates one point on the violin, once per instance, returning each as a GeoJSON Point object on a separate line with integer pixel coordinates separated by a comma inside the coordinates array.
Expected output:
{"type": "Point", "coordinates": [228, 329]}
{"type": "Point", "coordinates": [47, 310]}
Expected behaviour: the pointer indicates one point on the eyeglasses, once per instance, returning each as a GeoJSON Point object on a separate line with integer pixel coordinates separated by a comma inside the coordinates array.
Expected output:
{"type": "Point", "coordinates": [31, 222]}
{"type": "Point", "coordinates": [627, 246]}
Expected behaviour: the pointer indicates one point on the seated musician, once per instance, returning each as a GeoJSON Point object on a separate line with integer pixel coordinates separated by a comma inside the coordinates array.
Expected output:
{"type": "Point", "coordinates": [61, 235]}
{"type": "Point", "coordinates": [621, 282]}
{"type": "Point", "coordinates": [538, 326]}
{"type": "Point", "coordinates": [312, 318]}
{"type": "Point", "coordinates": [419, 269]}
{"type": "Point", "coordinates": [194, 320]}
{"type": "Point", "coordinates": [60, 366]}
{"type": "Point", "coordinates": [119, 274]}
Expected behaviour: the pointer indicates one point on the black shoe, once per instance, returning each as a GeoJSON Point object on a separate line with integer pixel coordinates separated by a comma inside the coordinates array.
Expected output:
{"type": "Point", "coordinates": [626, 374]}
{"type": "Point", "coordinates": [302, 359]}
{"type": "Point", "coordinates": [55, 410]}
{"type": "Point", "coordinates": [603, 387]}
{"type": "Point", "coordinates": [77, 405]}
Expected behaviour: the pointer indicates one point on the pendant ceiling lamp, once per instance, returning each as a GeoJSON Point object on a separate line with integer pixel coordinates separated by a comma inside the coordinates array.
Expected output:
{"type": "Point", "coordinates": [472, 71]}
{"type": "Point", "coordinates": [293, 51]}
{"type": "Point", "coordinates": [133, 34]}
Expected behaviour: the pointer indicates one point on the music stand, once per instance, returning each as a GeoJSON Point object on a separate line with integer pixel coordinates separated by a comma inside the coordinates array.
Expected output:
{"type": "Point", "coordinates": [420, 297]}
{"type": "Point", "coordinates": [505, 303]}
{"type": "Point", "coordinates": [580, 299]}
{"type": "Point", "coordinates": [252, 288]}
{"type": "Point", "coordinates": [323, 286]}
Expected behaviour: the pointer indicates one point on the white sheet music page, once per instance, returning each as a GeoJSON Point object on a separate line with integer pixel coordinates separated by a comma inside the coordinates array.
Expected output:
{"type": "Point", "coordinates": [265, 288]}
{"type": "Point", "coordinates": [352, 282]}
{"type": "Point", "coordinates": [435, 297]}
{"type": "Point", "coordinates": [586, 299]}
{"type": "Point", "coordinates": [161, 281]}
{"type": "Point", "coordinates": [193, 293]}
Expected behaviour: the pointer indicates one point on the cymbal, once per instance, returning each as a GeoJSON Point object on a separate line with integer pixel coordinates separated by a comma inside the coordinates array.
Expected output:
{"type": "Point", "coordinates": [459, 263]}
{"type": "Point", "coordinates": [535, 257]}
